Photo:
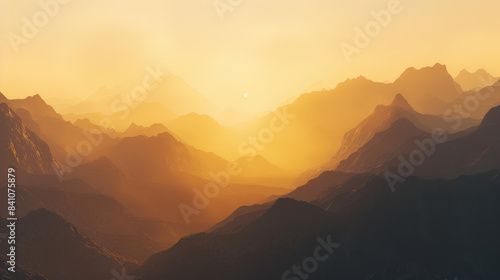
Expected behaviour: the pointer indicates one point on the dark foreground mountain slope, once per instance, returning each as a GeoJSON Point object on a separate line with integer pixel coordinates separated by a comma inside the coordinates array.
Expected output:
{"type": "Point", "coordinates": [21, 273]}
{"type": "Point", "coordinates": [478, 151]}
{"type": "Point", "coordinates": [50, 245]}
{"type": "Point", "coordinates": [100, 218]}
{"type": "Point", "coordinates": [425, 230]}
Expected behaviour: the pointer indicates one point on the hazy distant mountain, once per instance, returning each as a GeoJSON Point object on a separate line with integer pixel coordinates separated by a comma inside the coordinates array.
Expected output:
{"type": "Point", "coordinates": [205, 133]}
{"type": "Point", "coordinates": [55, 248]}
{"type": "Point", "coordinates": [146, 114]}
{"type": "Point", "coordinates": [159, 173]}
{"type": "Point", "coordinates": [380, 120]}
{"type": "Point", "coordinates": [87, 125]}
{"type": "Point", "coordinates": [161, 157]}
{"type": "Point", "coordinates": [136, 130]}
{"type": "Point", "coordinates": [428, 89]}
{"type": "Point", "coordinates": [380, 235]}
{"type": "Point", "coordinates": [172, 92]}
{"type": "Point", "coordinates": [478, 79]}
{"type": "Point", "coordinates": [20, 147]}
{"type": "Point", "coordinates": [63, 105]}
{"type": "Point", "coordinates": [321, 118]}
{"type": "Point", "coordinates": [479, 101]}
{"type": "Point", "coordinates": [258, 166]}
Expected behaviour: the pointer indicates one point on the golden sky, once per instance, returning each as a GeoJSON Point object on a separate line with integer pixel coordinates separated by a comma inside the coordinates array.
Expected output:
{"type": "Point", "coordinates": [270, 50]}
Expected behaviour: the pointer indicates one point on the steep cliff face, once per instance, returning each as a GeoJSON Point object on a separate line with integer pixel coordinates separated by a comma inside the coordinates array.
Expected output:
{"type": "Point", "coordinates": [20, 147]}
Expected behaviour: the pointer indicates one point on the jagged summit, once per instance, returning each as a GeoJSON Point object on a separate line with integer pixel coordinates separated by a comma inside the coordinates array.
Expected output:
{"type": "Point", "coordinates": [438, 72]}
{"type": "Point", "coordinates": [400, 101]}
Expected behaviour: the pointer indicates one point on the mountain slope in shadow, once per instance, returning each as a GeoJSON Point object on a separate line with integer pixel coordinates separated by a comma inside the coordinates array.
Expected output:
{"type": "Point", "coordinates": [476, 152]}
{"type": "Point", "coordinates": [22, 273]}
{"type": "Point", "coordinates": [427, 229]}
{"type": "Point", "coordinates": [100, 218]}
{"type": "Point", "coordinates": [20, 146]}
{"type": "Point", "coordinates": [50, 245]}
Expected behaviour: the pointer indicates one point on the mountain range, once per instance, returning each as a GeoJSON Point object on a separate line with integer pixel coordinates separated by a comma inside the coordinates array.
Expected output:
{"type": "Point", "coordinates": [368, 180]}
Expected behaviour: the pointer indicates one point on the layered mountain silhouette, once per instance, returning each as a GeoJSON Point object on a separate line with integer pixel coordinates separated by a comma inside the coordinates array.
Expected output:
{"type": "Point", "coordinates": [164, 158]}
{"type": "Point", "coordinates": [61, 135]}
{"type": "Point", "coordinates": [120, 207]}
{"type": "Point", "coordinates": [474, 80]}
{"type": "Point", "coordinates": [476, 103]}
{"type": "Point", "coordinates": [309, 192]}
{"type": "Point", "coordinates": [100, 218]}
{"type": "Point", "coordinates": [208, 134]}
{"type": "Point", "coordinates": [476, 152]}
{"type": "Point", "coordinates": [153, 130]}
{"type": "Point", "coordinates": [380, 120]}
{"type": "Point", "coordinates": [319, 117]}
{"type": "Point", "coordinates": [433, 229]}
{"type": "Point", "coordinates": [170, 91]}
{"type": "Point", "coordinates": [143, 114]}
{"type": "Point", "coordinates": [398, 139]}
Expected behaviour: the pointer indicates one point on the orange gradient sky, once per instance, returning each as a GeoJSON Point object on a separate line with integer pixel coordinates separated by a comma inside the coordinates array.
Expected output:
{"type": "Point", "coordinates": [270, 50]}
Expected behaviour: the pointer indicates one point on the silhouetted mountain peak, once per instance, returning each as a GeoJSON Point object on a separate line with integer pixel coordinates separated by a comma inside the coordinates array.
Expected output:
{"type": "Point", "coordinates": [36, 98]}
{"type": "Point", "coordinates": [359, 81]}
{"type": "Point", "coordinates": [38, 101]}
{"type": "Point", "coordinates": [479, 71]}
{"type": "Point", "coordinates": [133, 128]}
{"type": "Point", "coordinates": [473, 80]}
{"type": "Point", "coordinates": [436, 71]}
{"type": "Point", "coordinates": [492, 118]}
{"type": "Point", "coordinates": [3, 98]}
{"type": "Point", "coordinates": [400, 101]}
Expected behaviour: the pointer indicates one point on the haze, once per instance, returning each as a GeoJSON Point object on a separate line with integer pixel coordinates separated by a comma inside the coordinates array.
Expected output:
{"type": "Point", "coordinates": [269, 51]}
